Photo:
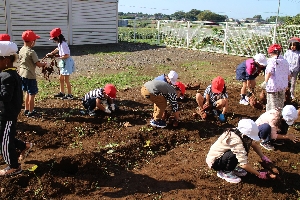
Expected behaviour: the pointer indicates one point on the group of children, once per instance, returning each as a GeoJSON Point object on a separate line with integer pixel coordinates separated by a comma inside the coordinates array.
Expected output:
{"type": "Point", "coordinates": [14, 83]}
{"type": "Point", "coordinates": [228, 155]}
{"type": "Point", "coordinates": [29, 61]}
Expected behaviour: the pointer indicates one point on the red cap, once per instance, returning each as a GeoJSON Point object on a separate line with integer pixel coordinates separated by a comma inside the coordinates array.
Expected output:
{"type": "Point", "coordinates": [29, 36]}
{"type": "Point", "coordinates": [294, 39]}
{"type": "Point", "coordinates": [274, 47]}
{"type": "Point", "coordinates": [181, 87]}
{"type": "Point", "coordinates": [55, 33]}
{"type": "Point", "coordinates": [110, 90]}
{"type": "Point", "coordinates": [4, 37]}
{"type": "Point", "coordinates": [217, 84]}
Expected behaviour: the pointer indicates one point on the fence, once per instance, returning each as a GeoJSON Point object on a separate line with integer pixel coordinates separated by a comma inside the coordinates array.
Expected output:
{"type": "Point", "coordinates": [229, 38]}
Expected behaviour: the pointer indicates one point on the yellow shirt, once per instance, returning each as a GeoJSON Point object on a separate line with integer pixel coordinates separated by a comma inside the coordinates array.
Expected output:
{"type": "Point", "coordinates": [28, 59]}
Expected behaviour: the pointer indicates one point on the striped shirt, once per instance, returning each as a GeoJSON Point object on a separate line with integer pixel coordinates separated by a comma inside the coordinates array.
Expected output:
{"type": "Point", "coordinates": [213, 97]}
{"type": "Point", "coordinates": [93, 94]}
{"type": "Point", "coordinates": [158, 87]}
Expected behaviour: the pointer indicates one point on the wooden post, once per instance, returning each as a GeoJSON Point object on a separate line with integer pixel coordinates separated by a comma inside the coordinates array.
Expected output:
{"type": "Point", "coordinates": [8, 19]}
{"type": "Point", "coordinates": [70, 23]}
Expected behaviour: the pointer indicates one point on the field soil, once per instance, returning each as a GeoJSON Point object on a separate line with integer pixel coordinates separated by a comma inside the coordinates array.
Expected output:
{"type": "Point", "coordinates": [120, 156]}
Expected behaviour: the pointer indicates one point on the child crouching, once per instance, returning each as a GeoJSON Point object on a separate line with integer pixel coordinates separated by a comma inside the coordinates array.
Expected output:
{"type": "Point", "coordinates": [229, 154]}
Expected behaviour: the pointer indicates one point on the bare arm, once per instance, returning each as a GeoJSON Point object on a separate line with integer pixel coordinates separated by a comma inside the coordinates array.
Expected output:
{"type": "Point", "coordinates": [267, 76]}
{"type": "Point", "coordinates": [248, 167]}
{"type": "Point", "coordinates": [291, 137]}
{"type": "Point", "coordinates": [54, 51]}
{"type": "Point", "coordinates": [40, 64]}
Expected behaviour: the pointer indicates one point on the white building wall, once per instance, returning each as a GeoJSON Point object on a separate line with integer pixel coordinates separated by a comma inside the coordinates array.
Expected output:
{"type": "Point", "coordinates": [81, 21]}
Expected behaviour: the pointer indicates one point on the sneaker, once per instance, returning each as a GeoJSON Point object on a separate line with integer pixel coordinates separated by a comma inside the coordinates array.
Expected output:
{"type": "Point", "coordinates": [247, 98]}
{"type": "Point", "coordinates": [31, 114]}
{"type": "Point", "coordinates": [239, 171]}
{"type": "Point", "coordinates": [25, 152]}
{"type": "Point", "coordinates": [26, 112]}
{"type": "Point", "coordinates": [229, 177]}
{"type": "Point", "coordinates": [10, 171]}
{"type": "Point", "coordinates": [59, 95]}
{"type": "Point", "coordinates": [244, 102]}
{"type": "Point", "coordinates": [158, 123]}
{"type": "Point", "coordinates": [91, 113]}
{"type": "Point", "coordinates": [67, 97]}
{"type": "Point", "coordinates": [267, 146]}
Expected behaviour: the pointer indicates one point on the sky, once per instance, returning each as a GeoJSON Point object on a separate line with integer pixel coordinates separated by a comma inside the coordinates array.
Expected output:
{"type": "Point", "coordinates": [238, 9]}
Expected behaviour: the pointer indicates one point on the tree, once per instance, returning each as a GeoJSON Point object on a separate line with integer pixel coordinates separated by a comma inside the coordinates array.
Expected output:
{"type": "Point", "coordinates": [179, 15]}
{"type": "Point", "coordinates": [192, 15]}
{"type": "Point", "coordinates": [258, 17]}
{"type": "Point", "coordinates": [207, 15]}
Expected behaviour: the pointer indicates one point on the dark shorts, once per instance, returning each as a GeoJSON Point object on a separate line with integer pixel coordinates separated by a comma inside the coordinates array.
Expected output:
{"type": "Point", "coordinates": [30, 86]}
{"type": "Point", "coordinates": [89, 104]}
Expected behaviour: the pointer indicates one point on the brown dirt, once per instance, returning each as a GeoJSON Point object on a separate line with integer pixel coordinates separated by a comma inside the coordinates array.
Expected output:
{"type": "Point", "coordinates": [83, 157]}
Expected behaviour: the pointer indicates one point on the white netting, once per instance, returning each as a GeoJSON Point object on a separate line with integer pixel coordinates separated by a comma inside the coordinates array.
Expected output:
{"type": "Point", "coordinates": [244, 40]}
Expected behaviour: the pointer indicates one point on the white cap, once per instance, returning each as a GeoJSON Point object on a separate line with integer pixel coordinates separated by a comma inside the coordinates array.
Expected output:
{"type": "Point", "coordinates": [8, 48]}
{"type": "Point", "coordinates": [249, 128]}
{"type": "Point", "coordinates": [289, 114]}
{"type": "Point", "coordinates": [173, 76]}
{"type": "Point", "coordinates": [261, 59]}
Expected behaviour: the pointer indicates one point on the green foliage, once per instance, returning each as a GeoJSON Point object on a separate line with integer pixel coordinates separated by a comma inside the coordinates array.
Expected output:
{"type": "Point", "coordinates": [80, 86]}
{"type": "Point", "coordinates": [207, 15]}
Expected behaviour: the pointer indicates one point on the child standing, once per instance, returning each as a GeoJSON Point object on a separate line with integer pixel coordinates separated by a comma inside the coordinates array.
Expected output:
{"type": "Point", "coordinates": [214, 97]}
{"type": "Point", "coordinates": [229, 154]}
{"type": "Point", "coordinates": [11, 99]}
{"type": "Point", "coordinates": [28, 62]}
{"type": "Point", "coordinates": [292, 55]}
{"type": "Point", "coordinates": [276, 78]}
{"type": "Point", "coordinates": [247, 71]}
{"type": "Point", "coordinates": [66, 64]}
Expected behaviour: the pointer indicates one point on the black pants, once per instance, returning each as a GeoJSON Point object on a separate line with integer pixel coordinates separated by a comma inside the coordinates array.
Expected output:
{"type": "Point", "coordinates": [227, 162]}
{"type": "Point", "coordinates": [9, 143]}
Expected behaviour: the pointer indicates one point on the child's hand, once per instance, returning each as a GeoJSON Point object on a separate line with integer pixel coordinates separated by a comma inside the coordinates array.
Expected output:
{"type": "Point", "coordinates": [113, 108]}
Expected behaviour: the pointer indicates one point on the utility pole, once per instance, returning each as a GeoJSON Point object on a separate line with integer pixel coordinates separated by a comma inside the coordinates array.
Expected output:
{"type": "Point", "coordinates": [274, 36]}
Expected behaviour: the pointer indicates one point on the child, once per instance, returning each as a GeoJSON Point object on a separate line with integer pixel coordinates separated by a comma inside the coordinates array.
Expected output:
{"type": "Point", "coordinates": [66, 64]}
{"type": "Point", "coordinates": [247, 71]}
{"type": "Point", "coordinates": [229, 154]}
{"type": "Point", "coordinates": [159, 92]}
{"type": "Point", "coordinates": [170, 78]}
{"type": "Point", "coordinates": [276, 78]}
{"type": "Point", "coordinates": [214, 97]}
{"type": "Point", "coordinates": [11, 99]}
{"type": "Point", "coordinates": [101, 99]}
{"type": "Point", "coordinates": [292, 55]}
{"type": "Point", "coordinates": [278, 120]}
{"type": "Point", "coordinates": [28, 62]}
